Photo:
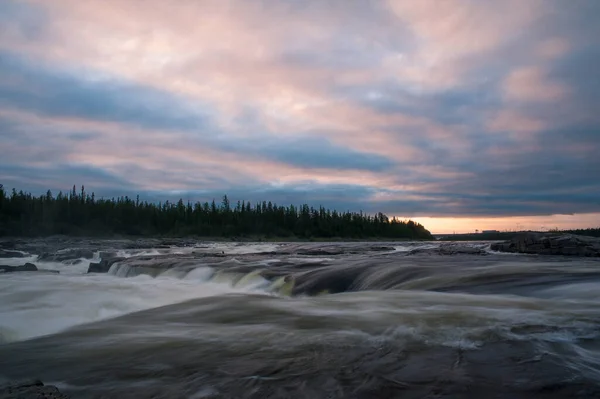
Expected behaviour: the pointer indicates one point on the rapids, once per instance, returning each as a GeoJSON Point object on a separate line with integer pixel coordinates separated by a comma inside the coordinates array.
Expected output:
{"type": "Point", "coordinates": [310, 320]}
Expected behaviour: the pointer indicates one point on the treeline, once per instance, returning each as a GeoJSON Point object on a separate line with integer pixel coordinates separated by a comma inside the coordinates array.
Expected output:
{"type": "Point", "coordinates": [80, 213]}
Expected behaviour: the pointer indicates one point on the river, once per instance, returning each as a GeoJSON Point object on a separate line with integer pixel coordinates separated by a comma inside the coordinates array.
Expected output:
{"type": "Point", "coordinates": [186, 319]}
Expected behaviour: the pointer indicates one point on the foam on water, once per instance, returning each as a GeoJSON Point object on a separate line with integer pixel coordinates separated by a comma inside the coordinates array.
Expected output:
{"type": "Point", "coordinates": [408, 248]}
{"type": "Point", "coordinates": [200, 274]}
{"type": "Point", "coordinates": [78, 266]}
{"type": "Point", "coordinates": [128, 253]}
{"type": "Point", "coordinates": [569, 292]}
{"type": "Point", "coordinates": [32, 306]}
{"type": "Point", "coordinates": [19, 261]}
{"type": "Point", "coordinates": [73, 266]}
{"type": "Point", "coordinates": [242, 249]}
{"type": "Point", "coordinates": [312, 259]}
{"type": "Point", "coordinates": [119, 270]}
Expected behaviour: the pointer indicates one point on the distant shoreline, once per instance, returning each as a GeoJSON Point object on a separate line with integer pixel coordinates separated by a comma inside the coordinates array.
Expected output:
{"type": "Point", "coordinates": [509, 235]}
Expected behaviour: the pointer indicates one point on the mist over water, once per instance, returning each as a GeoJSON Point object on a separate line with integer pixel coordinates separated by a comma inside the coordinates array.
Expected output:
{"type": "Point", "coordinates": [327, 320]}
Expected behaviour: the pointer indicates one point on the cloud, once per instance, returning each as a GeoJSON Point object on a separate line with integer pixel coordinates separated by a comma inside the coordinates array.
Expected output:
{"type": "Point", "coordinates": [320, 153]}
{"type": "Point", "coordinates": [413, 108]}
{"type": "Point", "coordinates": [42, 91]}
{"type": "Point", "coordinates": [47, 91]}
{"type": "Point", "coordinates": [20, 21]}
{"type": "Point", "coordinates": [553, 48]}
{"type": "Point", "coordinates": [510, 120]}
{"type": "Point", "coordinates": [60, 177]}
{"type": "Point", "coordinates": [532, 84]}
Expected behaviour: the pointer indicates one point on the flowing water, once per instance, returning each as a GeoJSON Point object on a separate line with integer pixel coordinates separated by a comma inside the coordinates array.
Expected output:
{"type": "Point", "coordinates": [288, 320]}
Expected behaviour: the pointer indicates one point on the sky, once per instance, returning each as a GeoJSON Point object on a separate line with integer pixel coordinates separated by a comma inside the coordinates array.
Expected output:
{"type": "Point", "coordinates": [460, 114]}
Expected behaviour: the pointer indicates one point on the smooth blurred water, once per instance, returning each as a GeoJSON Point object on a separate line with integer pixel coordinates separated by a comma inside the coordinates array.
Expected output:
{"type": "Point", "coordinates": [263, 321]}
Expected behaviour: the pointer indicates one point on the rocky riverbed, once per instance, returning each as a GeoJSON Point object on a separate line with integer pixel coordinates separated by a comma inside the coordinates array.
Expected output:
{"type": "Point", "coordinates": [551, 244]}
{"type": "Point", "coordinates": [185, 318]}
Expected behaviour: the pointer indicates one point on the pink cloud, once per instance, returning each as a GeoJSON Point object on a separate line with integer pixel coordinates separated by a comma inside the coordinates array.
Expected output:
{"type": "Point", "coordinates": [164, 45]}
{"type": "Point", "coordinates": [184, 164]}
{"type": "Point", "coordinates": [236, 57]}
{"type": "Point", "coordinates": [553, 48]}
{"type": "Point", "coordinates": [532, 84]}
{"type": "Point", "coordinates": [448, 33]}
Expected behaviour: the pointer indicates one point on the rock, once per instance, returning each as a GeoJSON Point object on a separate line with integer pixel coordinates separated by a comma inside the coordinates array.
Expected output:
{"type": "Point", "coordinates": [320, 252]}
{"type": "Point", "coordinates": [460, 250]}
{"type": "Point", "coordinates": [98, 267]}
{"type": "Point", "coordinates": [381, 248]}
{"type": "Point", "coordinates": [212, 255]}
{"type": "Point", "coordinates": [67, 254]}
{"type": "Point", "coordinates": [104, 265]}
{"type": "Point", "coordinates": [32, 389]}
{"type": "Point", "coordinates": [27, 267]}
{"type": "Point", "coordinates": [535, 243]}
{"type": "Point", "coordinates": [8, 244]}
{"type": "Point", "coordinates": [449, 249]}
{"type": "Point", "coordinates": [107, 254]}
{"type": "Point", "coordinates": [4, 253]}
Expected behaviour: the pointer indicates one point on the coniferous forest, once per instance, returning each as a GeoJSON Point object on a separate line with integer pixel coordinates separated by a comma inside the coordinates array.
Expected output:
{"type": "Point", "coordinates": [80, 213]}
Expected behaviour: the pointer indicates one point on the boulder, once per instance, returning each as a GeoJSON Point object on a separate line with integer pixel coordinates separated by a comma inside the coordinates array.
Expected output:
{"type": "Point", "coordinates": [27, 267]}
{"type": "Point", "coordinates": [104, 265]}
{"type": "Point", "coordinates": [32, 389]}
{"type": "Point", "coordinates": [540, 244]}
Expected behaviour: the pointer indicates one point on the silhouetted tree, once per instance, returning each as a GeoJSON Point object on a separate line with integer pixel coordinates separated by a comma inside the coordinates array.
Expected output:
{"type": "Point", "coordinates": [82, 214]}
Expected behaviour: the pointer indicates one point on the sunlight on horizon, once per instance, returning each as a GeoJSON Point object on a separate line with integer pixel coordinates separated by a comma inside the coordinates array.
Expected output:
{"type": "Point", "coordinates": [449, 225]}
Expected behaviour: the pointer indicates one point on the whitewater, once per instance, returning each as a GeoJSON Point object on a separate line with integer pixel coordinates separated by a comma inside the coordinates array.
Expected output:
{"type": "Point", "coordinates": [185, 318]}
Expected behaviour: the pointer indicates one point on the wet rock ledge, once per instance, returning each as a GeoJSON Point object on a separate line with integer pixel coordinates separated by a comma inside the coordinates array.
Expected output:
{"type": "Point", "coordinates": [540, 244]}
{"type": "Point", "coordinates": [32, 389]}
{"type": "Point", "coordinates": [27, 267]}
